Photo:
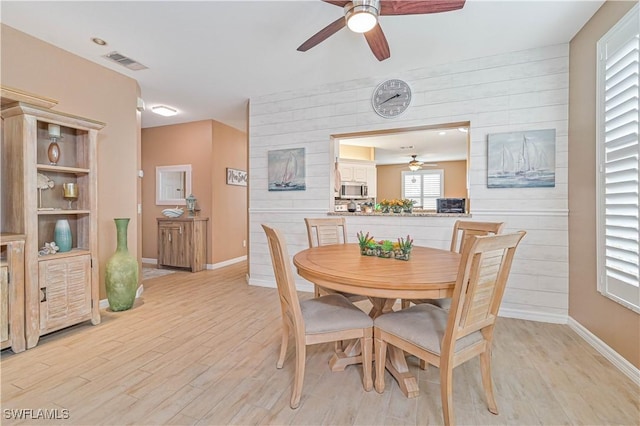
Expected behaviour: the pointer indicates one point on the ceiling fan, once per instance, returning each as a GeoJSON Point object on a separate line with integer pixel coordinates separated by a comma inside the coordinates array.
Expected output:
{"type": "Point", "coordinates": [415, 164]}
{"type": "Point", "coordinates": [361, 16]}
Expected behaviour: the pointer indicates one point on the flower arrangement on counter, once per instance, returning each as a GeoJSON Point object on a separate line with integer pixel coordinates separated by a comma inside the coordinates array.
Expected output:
{"type": "Point", "coordinates": [385, 248]}
{"type": "Point", "coordinates": [396, 205]}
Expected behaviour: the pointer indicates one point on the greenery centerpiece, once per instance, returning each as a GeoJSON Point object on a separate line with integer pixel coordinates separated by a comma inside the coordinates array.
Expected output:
{"type": "Point", "coordinates": [385, 248]}
{"type": "Point", "coordinates": [403, 250]}
{"type": "Point", "coordinates": [368, 246]}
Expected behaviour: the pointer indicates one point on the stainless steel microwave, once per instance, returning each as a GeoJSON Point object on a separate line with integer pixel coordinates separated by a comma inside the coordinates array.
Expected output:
{"type": "Point", "coordinates": [354, 190]}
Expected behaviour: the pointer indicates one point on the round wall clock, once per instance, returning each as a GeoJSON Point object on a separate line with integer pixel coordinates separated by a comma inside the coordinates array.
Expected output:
{"type": "Point", "coordinates": [391, 98]}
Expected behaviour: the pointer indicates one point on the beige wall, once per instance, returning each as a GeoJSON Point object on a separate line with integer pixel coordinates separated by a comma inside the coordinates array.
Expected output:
{"type": "Point", "coordinates": [86, 89]}
{"type": "Point", "coordinates": [229, 201]}
{"type": "Point", "coordinates": [209, 147]}
{"type": "Point", "coordinates": [614, 324]}
{"type": "Point", "coordinates": [455, 179]}
{"type": "Point", "coordinates": [353, 152]}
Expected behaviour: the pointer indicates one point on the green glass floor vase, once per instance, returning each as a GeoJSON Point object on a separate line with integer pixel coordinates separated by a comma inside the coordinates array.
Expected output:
{"type": "Point", "coordinates": [121, 280]}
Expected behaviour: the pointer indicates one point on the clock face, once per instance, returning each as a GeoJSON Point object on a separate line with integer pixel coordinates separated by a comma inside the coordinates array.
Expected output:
{"type": "Point", "coordinates": [391, 98]}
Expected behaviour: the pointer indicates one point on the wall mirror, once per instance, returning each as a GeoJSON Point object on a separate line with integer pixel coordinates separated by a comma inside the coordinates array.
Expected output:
{"type": "Point", "coordinates": [173, 184]}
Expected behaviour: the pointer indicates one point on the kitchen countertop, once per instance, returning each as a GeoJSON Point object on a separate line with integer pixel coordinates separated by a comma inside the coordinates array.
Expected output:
{"type": "Point", "coordinates": [414, 214]}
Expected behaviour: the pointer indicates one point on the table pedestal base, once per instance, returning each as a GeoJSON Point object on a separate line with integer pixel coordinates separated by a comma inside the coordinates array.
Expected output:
{"type": "Point", "coordinates": [396, 361]}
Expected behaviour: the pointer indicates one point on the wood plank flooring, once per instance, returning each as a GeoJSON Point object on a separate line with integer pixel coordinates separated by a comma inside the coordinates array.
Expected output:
{"type": "Point", "coordinates": [201, 349]}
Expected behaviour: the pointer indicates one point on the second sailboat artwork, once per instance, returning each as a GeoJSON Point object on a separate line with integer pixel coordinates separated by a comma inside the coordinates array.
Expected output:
{"type": "Point", "coordinates": [522, 159]}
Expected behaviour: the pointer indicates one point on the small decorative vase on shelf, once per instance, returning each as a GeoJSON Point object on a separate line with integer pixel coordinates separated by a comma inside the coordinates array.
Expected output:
{"type": "Point", "coordinates": [121, 279]}
{"type": "Point", "coordinates": [53, 152]}
{"type": "Point", "coordinates": [62, 235]}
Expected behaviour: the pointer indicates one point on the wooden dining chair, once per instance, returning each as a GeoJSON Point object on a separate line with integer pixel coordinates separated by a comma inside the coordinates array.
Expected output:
{"type": "Point", "coordinates": [324, 319]}
{"type": "Point", "coordinates": [447, 339]}
{"type": "Point", "coordinates": [324, 231]}
{"type": "Point", "coordinates": [463, 230]}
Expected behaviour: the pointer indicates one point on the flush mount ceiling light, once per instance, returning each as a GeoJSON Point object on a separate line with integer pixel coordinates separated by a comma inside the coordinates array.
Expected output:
{"type": "Point", "coordinates": [362, 15]}
{"type": "Point", "coordinates": [415, 165]}
{"type": "Point", "coordinates": [164, 110]}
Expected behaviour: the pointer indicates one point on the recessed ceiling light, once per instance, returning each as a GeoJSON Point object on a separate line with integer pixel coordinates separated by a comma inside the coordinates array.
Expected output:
{"type": "Point", "coordinates": [442, 133]}
{"type": "Point", "coordinates": [99, 41]}
{"type": "Point", "coordinates": [164, 110]}
{"type": "Point", "coordinates": [463, 129]}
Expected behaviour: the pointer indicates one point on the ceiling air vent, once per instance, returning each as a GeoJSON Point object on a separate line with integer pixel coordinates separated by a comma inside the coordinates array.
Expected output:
{"type": "Point", "coordinates": [125, 61]}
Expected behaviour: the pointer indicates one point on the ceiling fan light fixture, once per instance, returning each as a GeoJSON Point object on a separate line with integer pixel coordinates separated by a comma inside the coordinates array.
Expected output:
{"type": "Point", "coordinates": [415, 165]}
{"type": "Point", "coordinates": [362, 15]}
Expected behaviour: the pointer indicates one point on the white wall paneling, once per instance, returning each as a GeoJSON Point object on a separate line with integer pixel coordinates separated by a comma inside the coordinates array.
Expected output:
{"type": "Point", "coordinates": [525, 90]}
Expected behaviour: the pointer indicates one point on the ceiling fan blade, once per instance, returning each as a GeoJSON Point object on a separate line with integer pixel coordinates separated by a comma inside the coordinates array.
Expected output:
{"type": "Point", "coordinates": [340, 3]}
{"type": "Point", "coordinates": [378, 43]}
{"type": "Point", "coordinates": [418, 7]}
{"type": "Point", "coordinates": [323, 34]}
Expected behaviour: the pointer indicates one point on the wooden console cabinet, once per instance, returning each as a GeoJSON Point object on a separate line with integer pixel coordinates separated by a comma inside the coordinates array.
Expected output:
{"type": "Point", "coordinates": [12, 292]}
{"type": "Point", "coordinates": [182, 243]}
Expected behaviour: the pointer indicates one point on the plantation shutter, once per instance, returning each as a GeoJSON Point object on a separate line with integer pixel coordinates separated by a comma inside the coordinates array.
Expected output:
{"type": "Point", "coordinates": [423, 187]}
{"type": "Point", "coordinates": [618, 192]}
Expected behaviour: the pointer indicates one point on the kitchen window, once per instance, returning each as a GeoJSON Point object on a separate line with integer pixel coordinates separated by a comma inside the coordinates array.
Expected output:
{"type": "Point", "coordinates": [423, 187]}
{"type": "Point", "coordinates": [617, 161]}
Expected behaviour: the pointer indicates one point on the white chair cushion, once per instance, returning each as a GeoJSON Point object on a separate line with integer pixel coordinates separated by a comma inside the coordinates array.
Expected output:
{"type": "Point", "coordinates": [424, 325]}
{"type": "Point", "coordinates": [332, 312]}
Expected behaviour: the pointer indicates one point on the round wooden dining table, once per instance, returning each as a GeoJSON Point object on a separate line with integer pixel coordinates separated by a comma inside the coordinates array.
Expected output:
{"type": "Point", "coordinates": [430, 273]}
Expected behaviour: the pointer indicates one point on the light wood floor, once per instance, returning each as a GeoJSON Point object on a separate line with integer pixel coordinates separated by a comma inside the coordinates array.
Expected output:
{"type": "Point", "coordinates": [201, 349]}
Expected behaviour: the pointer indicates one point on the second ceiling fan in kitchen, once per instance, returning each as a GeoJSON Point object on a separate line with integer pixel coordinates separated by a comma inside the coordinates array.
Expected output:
{"type": "Point", "coordinates": [361, 16]}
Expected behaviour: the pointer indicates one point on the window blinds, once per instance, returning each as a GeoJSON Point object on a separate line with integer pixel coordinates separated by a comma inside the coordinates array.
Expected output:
{"type": "Point", "coordinates": [618, 192]}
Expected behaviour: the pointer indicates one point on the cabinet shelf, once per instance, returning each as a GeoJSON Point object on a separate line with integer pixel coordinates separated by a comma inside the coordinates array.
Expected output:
{"type": "Point", "coordinates": [72, 253]}
{"type": "Point", "coordinates": [62, 211]}
{"type": "Point", "coordinates": [62, 169]}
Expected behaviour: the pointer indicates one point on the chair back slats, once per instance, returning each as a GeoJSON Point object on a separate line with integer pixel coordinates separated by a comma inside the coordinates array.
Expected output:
{"type": "Point", "coordinates": [289, 302]}
{"type": "Point", "coordinates": [464, 230]}
{"type": "Point", "coordinates": [325, 231]}
{"type": "Point", "coordinates": [481, 283]}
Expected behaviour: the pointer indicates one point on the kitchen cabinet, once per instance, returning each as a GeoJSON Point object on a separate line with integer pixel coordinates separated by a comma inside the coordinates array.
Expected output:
{"type": "Point", "coordinates": [359, 171]}
{"type": "Point", "coordinates": [182, 243]}
{"type": "Point", "coordinates": [12, 292]}
{"type": "Point", "coordinates": [61, 289]}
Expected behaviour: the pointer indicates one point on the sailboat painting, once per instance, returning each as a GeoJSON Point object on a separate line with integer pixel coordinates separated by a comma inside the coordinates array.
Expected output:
{"type": "Point", "coordinates": [522, 159]}
{"type": "Point", "coordinates": [286, 170]}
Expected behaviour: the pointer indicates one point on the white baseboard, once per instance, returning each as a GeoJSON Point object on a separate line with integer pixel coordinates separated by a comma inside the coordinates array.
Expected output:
{"type": "Point", "coordinates": [271, 284]}
{"type": "Point", "coordinates": [605, 350]}
{"type": "Point", "coordinates": [208, 266]}
{"type": "Point", "coordinates": [532, 316]}
{"type": "Point", "coordinates": [226, 262]}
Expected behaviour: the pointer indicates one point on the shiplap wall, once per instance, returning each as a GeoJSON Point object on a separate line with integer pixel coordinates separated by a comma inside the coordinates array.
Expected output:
{"type": "Point", "coordinates": [525, 90]}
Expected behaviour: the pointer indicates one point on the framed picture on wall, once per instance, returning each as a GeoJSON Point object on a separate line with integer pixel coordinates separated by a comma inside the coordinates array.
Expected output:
{"type": "Point", "coordinates": [286, 169]}
{"type": "Point", "coordinates": [522, 159]}
{"type": "Point", "coordinates": [236, 177]}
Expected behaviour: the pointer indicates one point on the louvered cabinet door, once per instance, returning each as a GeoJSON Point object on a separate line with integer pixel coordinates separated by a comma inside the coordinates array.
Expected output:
{"type": "Point", "coordinates": [65, 292]}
